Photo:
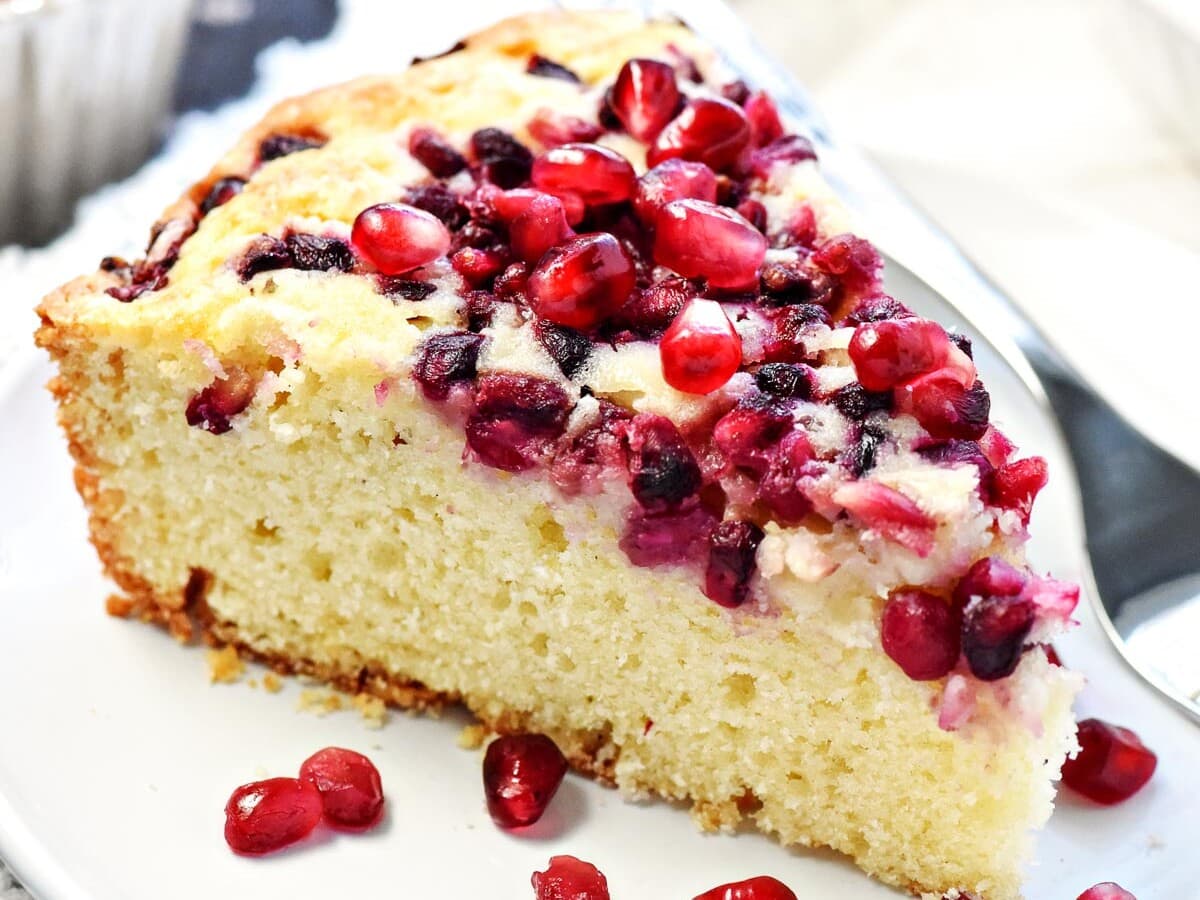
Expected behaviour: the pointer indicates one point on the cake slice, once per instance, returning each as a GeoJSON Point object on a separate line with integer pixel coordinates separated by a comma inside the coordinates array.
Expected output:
{"type": "Point", "coordinates": [549, 377]}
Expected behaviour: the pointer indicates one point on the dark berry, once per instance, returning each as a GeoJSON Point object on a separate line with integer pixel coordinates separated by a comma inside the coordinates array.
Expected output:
{"type": "Point", "coordinates": [441, 202]}
{"type": "Point", "coordinates": [568, 347]}
{"type": "Point", "coordinates": [445, 360]}
{"type": "Point", "coordinates": [662, 470]}
{"type": "Point", "coordinates": [277, 145]}
{"type": "Point", "coordinates": [435, 153]}
{"type": "Point", "coordinates": [506, 161]}
{"type": "Point", "coordinates": [213, 407]}
{"type": "Point", "coordinates": [731, 554]}
{"type": "Point", "coordinates": [516, 419]}
{"type": "Point", "coordinates": [548, 68]}
{"type": "Point", "coordinates": [313, 253]}
{"type": "Point", "coordinates": [993, 634]}
{"type": "Point", "coordinates": [399, 288]}
{"type": "Point", "coordinates": [860, 457]}
{"type": "Point", "coordinates": [921, 633]}
{"type": "Point", "coordinates": [672, 536]}
{"type": "Point", "coordinates": [785, 380]}
{"type": "Point", "coordinates": [877, 308]}
{"type": "Point", "coordinates": [265, 254]}
{"type": "Point", "coordinates": [222, 191]}
{"type": "Point", "coordinates": [855, 402]}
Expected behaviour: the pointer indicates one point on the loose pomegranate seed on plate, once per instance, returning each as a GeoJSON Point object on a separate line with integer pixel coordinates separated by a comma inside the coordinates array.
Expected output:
{"type": "Point", "coordinates": [1112, 765]}
{"type": "Point", "coordinates": [761, 887]}
{"type": "Point", "coordinates": [645, 97]}
{"type": "Point", "coordinates": [921, 633]}
{"type": "Point", "coordinates": [595, 173]}
{"type": "Point", "coordinates": [396, 238]}
{"type": "Point", "coordinates": [568, 878]}
{"type": "Point", "coordinates": [435, 153]}
{"type": "Point", "coordinates": [708, 130]}
{"type": "Point", "coordinates": [350, 786]}
{"type": "Point", "coordinates": [699, 239]}
{"type": "Point", "coordinates": [583, 281]}
{"type": "Point", "coordinates": [701, 351]}
{"type": "Point", "coordinates": [1106, 890]}
{"type": "Point", "coordinates": [889, 353]}
{"type": "Point", "coordinates": [521, 773]}
{"type": "Point", "coordinates": [265, 816]}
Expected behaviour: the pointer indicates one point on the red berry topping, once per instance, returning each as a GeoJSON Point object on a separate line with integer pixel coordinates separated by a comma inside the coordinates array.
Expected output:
{"type": "Point", "coordinates": [765, 125]}
{"type": "Point", "coordinates": [921, 634]}
{"type": "Point", "coordinates": [662, 470]}
{"type": "Point", "coordinates": [537, 228]}
{"type": "Point", "coordinates": [505, 160]}
{"type": "Point", "coordinates": [1112, 765]}
{"type": "Point", "coordinates": [222, 191]}
{"type": "Point", "coordinates": [677, 535]}
{"type": "Point", "coordinates": [994, 632]}
{"type": "Point", "coordinates": [731, 562]}
{"type": "Point", "coordinates": [989, 577]}
{"type": "Point", "coordinates": [675, 179]}
{"type": "Point", "coordinates": [435, 153]}
{"type": "Point", "coordinates": [761, 887]}
{"type": "Point", "coordinates": [791, 150]}
{"type": "Point", "coordinates": [521, 773]}
{"type": "Point", "coordinates": [887, 511]}
{"type": "Point", "coordinates": [890, 353]}
{"type": "Point", "coordinates": [265, 816]}
{"type": "Point", "coordinates": [351, 790]}
{"type": "Point", "coordinates": [645, 97]}
{"type": "Point", "coordinates": [214, 406]}
{"type": "Point", "coordinates": [396, 238]}
{"type": "Point", "coordinates": [945, 408]}
{"type": "Point", "coordinates": [748, 433]}
{"type": "Point", "coordinates": [855, 260]}
{"type": "Point", "coordinates": [568, 878]}
{"type": "Point", "coordinates": [1052, 656]}
{"type": "Point", "coordinates": [516, 420]}
{"type": "Point", "coordinates": [781, 490]}
{"type": "Point", "coordinates": [1106, 890]}
{"type": "Point", "coordinates": [1015, 485]}
{"type": "Point", "coordinates": [708, 130]}
{"type": "Point", "coordinates": [551, 128]}
{"type": "Point", "coordinates": [650, 311]}
{"type": "Point", "coordinates": [595, 173]}
{"type": "Point", "coordinates": [477, 267]}
{"type": "Point", "coordinates": [701, 350]}
{"type": "Point", "coordinates": [582, 282]}
{"type": "Point", "coordinates": [699, 239]}
{"type": "Point", "coordinates": [446, 359]}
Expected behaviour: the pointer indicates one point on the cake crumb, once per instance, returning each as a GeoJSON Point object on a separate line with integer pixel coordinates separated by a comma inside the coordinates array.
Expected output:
{"type": "Point", "coordinates": [319, 702]}
{"type": "Point", "coordinates": [712, 816]}
{"type": "Point", "coordinates": [371, 708]}
{"type": "Point", "coordinates": [272, 683]}
{"type": "Point", "coordinates": [473, 736]}
{"type": "Point", "coordinates": [118, 606]}
{"type": "Point", "coordinates": [224, 665]}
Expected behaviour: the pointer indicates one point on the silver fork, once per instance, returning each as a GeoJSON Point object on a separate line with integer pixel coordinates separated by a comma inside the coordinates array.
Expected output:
{"type": "Point", "coordinates": [1141, 505]}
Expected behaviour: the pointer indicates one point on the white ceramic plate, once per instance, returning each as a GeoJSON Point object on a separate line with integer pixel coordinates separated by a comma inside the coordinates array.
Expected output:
{"type": "Point", "coordinates": [117, 756]}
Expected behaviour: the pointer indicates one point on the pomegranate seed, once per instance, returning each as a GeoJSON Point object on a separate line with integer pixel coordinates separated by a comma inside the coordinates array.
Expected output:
{"type": "Point", "coordinates": [790, 281]}
{"type": "Point", "coordinates": [993, 634]}
{"type": "Point", "coordinates": [222, 191]}
{"type": "Point", "coordinates": [889, 512]}
{"type": "Point", "coordinates": [650, 311]}
{"type": "Point", "coordinates": [708, 130]}
{"type": "Point", "coordinates": [989, 577]}
{"type": "Point", "coordinates": [754, 213]}
{"type": "Point", "coordinates": [789, 325]}
{"type": "Point", "coordinates": [568, 878]}
{"type": "Point", "coordinates": [478, 267]}
{"type": "Point", "coordinates": [761, 887]}
{"type": "Point", "coordinates": [516, 419]}
{"type": "Point", "coordinates": [701, 351]}
{"type": "Point", "coordinates": [584, 462]}
{"type": "Point", "coordinates": [440, 201]}
{"type": "Point", "coordinates": [890, 353]}
{"type": "Point", "coordinates": [404, 288]}
{"type": "Point", "coordinates": [996, 447]}
{"type": "Point", "coordinates": [595, 173]}
{"type": "Point", "coordinates": [277, 145]}
{"type": "Point", "coordinates": [876, 308]}
{"type": "Point", "coordinates": [214, 406]}
{"type": "Point", "coordinates": [921, 633]}
{"type": "Point", "coordinates": [645, 97]}
{"type": "Point", "coordinates": [1106, 890]}
{"type": "Point", "coordinates": [506, 161]}
{"type": "Point", "coordinates": [435, 153]}
{"type": "Point", "coordinates": [265, 816]}
{"type": "Point", "coordinates": [856, 403]}
{"type": "Point", "coordinates": [664, 538]}
{"type": "Point", "coordinates": [521, 773]}
{"type": "Point", "coordinates": [675, 179]}
{"type": "Point", "coordinates": [1052, 656]}
{"type": "Point", "coordinates": [855, 260]}
{"type": "Point", "coordinates": [508, 205]}
{"type": "Point", "coordinates": [731, 562]}
{"type": "Point", "coordinates": [748, 434]}
{"type": "Point", "coordinates": [790, 150]}
{"type": "Point", "coordinates": [314, 253]}
{"type": "Point", "coordinates": [786, 380]}
{"type": "Point", "coordinates": [551, 128]}
{"type": "Point", "coordinates": [542, 225]}
{"type": "Point", "coordinates": [1112, 765]}
{"type": "Point", "coordinates": [568, 347]}
{"type": "Point", "coordinates": [763, 117]}
{"type": "Point", "coordinates": [582, 282]}
{"type": "Point", "coordinates": [548, 68]}
{"type": "Point", "coordinates": [1017, 484]}
{"type": "Point", "coordinates": [945, 408]}
{"type": "Point", "coordinates": [781, 489]}
{"type": "Point", "coordinates": [699, 239]}
{"type": "Point", "coordinates": [395, 238]}
{"type": "Point", "coordinates": [512, 282]}
{"type": "Point", "coordinates": [445, 360]}
{"type": "Point", "coordinates": [351, 790]}
{"type": "Point", "coordinates": [265, 254]}
{"type": "Point", "coordinates": [662, 469]}
{"type": "Point", "coordinates": [736, 92]}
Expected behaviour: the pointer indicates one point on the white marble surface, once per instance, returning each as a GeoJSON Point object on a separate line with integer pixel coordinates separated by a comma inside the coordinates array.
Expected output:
{"type": "Point", "coordinates": [1011, 123]}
